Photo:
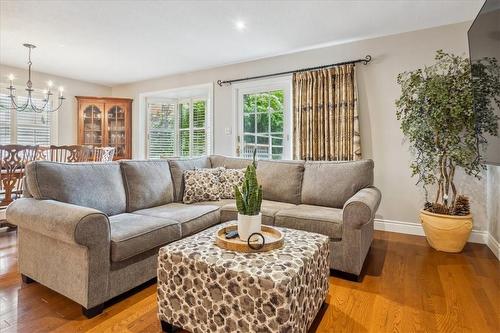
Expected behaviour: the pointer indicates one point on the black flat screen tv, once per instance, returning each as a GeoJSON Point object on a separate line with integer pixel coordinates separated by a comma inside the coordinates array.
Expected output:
{"type": "Point", "coordinates": [484, 41]}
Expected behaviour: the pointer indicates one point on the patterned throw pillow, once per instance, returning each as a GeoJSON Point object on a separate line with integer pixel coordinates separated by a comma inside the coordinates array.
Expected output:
{"type": "Point", "coordinates": [228, 179]}
{"type": "Point", "coordinates": [201, 185]}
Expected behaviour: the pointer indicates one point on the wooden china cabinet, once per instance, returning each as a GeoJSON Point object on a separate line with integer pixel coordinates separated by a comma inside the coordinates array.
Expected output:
{"type": "Point", "coordinates": [106, 122]}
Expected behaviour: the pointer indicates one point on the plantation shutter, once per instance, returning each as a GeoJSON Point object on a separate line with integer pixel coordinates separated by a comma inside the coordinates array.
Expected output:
{"type": "Point", "coordinates": [5, 119]}
{"type": "Point", "coordinates": [33, 128]}
{"type": "Point", "coordinates": [185, 129]}
{"type": "Point", "coordinates": [161, 137]}
{"type": "Point", "coordinates": [199, 145]}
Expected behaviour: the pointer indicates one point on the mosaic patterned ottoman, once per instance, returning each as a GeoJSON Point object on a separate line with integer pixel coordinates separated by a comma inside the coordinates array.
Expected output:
{"type": "Point", "coordinates": [203, 288]}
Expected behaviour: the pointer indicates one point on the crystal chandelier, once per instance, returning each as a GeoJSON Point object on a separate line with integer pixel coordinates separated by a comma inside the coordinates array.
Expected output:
{"type": "Point", "coordinates": [30, 104]}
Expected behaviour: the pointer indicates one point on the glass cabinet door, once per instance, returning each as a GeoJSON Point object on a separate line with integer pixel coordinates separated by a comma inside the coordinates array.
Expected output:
{"type": "Point", "coordinates": [116, 130]}
{"type": "Point", "coordinates": [92, 125]}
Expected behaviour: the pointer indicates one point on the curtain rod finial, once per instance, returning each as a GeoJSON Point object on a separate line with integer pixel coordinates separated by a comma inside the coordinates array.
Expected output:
{"type": "Point", "coordinates": [368, 58]}
{"type": "Point", "coordinates": [222, 83]}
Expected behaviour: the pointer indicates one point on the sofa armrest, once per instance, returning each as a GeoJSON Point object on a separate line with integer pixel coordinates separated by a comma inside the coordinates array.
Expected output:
{"type": "Point", "coordinates": [361, 207]}
{"type": "Point", "coordinates": [65, 247]}
{"type": "Point", "coordinates": [62, 221]}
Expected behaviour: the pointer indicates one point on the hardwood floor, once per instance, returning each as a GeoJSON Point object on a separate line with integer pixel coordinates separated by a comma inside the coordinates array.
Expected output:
{"type": "Point", "coordinates": [407, 287]}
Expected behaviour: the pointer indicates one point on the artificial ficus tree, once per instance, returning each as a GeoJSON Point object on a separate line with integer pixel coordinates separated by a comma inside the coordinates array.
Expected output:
{"type": "Point", "coordinates": [445, 110]}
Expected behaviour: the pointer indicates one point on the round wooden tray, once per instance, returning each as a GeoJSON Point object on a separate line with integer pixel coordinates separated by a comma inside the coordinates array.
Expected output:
{"type": "Point", "coordinates": [273, 240]}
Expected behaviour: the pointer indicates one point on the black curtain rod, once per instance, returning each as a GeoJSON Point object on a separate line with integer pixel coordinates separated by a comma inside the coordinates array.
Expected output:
{"type": "Point", "coordinates": [365, 61]}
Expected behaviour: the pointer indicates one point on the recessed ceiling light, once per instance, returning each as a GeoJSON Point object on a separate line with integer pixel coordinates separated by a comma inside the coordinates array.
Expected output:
{"type": "Point", "coordinates": [240, 25]}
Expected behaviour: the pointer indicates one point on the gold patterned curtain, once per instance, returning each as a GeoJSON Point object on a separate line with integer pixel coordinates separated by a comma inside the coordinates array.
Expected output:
{"type": "Point", "coordinates": [325, 113]}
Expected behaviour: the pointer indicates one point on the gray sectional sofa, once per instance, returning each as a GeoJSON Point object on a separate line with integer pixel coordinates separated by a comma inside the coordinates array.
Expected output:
{"type": "Point", "coordinates": [91, 231]}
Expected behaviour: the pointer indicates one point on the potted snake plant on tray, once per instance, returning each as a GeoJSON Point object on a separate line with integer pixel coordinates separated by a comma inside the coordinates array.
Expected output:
{"type": "Point", "coordinates": [445, 110]}
{"type": "Point", "coordinates": [248, 203]}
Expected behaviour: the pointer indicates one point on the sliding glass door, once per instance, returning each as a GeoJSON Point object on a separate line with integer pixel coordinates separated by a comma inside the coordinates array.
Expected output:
{"type": "Point", "coordinates": [264, 120]}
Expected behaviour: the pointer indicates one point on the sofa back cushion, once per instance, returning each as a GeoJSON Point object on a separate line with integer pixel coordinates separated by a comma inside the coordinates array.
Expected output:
{"type": "Point", "coordinates": [93, 185]}
{"type": "Point", "coordinates": [177, 167]}
{"type": "Point", "coordinates": [281, 180]}
{"type": "Point", "coordinates": [331, 183]}
{"type": "Point", "coordinates": [147, 184]}
{"type": "Point", "coordinates": [229, 162]}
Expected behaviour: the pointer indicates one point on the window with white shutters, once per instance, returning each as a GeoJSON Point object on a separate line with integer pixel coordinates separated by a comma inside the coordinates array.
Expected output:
{"type": "Point", "coordinates": [177, 128]}
{"type": "Point", "coordinates": [25, 127]}
{"type": "Point", "coordinates": [161, 138]}
{"type": "Point", "coordinates": [33, 128]}
{"type": "Point", "coordinates": [5, 120]}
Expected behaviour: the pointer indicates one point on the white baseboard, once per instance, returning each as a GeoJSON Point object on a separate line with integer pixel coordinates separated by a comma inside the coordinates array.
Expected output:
{"type": "Point", "coordinates": [411, 228]}
{"type": "Point", "coordinates": [493, 245]}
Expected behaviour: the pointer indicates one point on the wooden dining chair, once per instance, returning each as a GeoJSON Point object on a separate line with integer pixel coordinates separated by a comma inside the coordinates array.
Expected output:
{"type": "Point", "coordinates": [42, 153]}
{"type": "Point", "coordinates": [13, 159]}
{"type": "Point", "coordinates": [70, 153]}
{"type": "Point", "coordinates": [103, 154]}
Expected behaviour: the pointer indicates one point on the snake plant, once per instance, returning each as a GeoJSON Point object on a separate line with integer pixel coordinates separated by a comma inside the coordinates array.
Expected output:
{"type": "Point", "coordinates": [249, 197]}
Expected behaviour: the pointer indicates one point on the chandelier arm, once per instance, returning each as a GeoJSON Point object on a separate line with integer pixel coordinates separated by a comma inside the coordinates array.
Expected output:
{"type": "Point", "coordinates": [46, 103]}
{"type": "Point", "coordinates": [59, 106]}
{"type": "Point", "coordinates": [17, 107]}
{"type": "Point", "coordinates": [45, 109]}
{"type": "Point", "coordinates": [13, 101]}
{"type": "Point", "coordinates": [34, 107]}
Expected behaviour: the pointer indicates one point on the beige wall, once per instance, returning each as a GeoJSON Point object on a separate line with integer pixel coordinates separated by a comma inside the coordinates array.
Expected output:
{"type": "Point", "coordinates": [381, 137]}
{"type": "Point", "coordinates": [67, 126]}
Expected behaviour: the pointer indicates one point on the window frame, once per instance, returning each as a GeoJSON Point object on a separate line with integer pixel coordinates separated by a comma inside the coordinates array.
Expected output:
{"type": "Point", "coordinates": [283, 83]}
{"type": "Point", "coordinates": [54, 118]}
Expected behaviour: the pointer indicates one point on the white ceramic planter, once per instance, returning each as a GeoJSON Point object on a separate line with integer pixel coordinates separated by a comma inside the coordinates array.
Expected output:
{"type": "Point", "coordinates": [248, 224]}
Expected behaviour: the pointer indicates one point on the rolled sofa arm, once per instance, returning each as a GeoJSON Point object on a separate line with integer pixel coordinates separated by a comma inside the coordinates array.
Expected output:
{"type": "Point", "coordinates": [361, 207]}
{"type": "Point", "coordinates": [62, 221]}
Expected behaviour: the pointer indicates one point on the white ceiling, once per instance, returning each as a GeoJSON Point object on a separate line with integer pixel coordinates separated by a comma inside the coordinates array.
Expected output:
{"type": "Point", "coordinates": [116, 41]}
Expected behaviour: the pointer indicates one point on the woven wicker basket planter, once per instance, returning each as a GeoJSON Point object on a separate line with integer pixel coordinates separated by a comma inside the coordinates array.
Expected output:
{"type": "Point", "coordinates": [446, 233]}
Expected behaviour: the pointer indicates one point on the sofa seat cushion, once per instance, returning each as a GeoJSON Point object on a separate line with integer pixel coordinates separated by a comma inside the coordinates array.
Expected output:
{"type": "Point", "coordinates": [192, 218]}
{"type": "Point", "coordinates": [269, 209]}
{"type": "Point", "coordinates": [132, 234]}
{"type": "Point", "coordinates": [318, 219]}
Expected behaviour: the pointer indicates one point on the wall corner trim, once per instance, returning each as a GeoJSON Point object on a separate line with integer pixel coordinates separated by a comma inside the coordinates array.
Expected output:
{"type": "Point", "coordinates": [493, 245]}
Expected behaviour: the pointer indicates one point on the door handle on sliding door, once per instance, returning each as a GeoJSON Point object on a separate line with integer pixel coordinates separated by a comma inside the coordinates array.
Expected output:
{"type": "Point", "coordinates": [238, 140]}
